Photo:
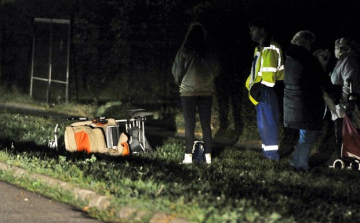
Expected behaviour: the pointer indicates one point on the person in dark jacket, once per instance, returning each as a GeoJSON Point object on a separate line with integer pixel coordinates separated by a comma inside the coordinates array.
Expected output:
{"type": "Point", "coordinates": [305, 81]}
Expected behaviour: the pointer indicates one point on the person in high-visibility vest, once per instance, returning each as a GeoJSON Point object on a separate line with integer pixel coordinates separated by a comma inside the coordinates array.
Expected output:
{"type": "Point", "coordinates": [267, 68]}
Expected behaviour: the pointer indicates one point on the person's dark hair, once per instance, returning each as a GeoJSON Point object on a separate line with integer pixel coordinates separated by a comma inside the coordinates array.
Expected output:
{"type": "Point", "coordinates": [259, 22]}
{"type": "Point", "coordinates": [195, 39]}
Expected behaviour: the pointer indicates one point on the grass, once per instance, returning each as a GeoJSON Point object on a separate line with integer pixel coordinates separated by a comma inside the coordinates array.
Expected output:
{"type": "Point", "coordinates": [239, 186]}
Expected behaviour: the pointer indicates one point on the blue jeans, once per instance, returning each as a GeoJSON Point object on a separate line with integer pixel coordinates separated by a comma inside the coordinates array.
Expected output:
{"type": "Point", "coordinates": [204, 105]}
{"type": "Point", "coordinates": [301, 153]}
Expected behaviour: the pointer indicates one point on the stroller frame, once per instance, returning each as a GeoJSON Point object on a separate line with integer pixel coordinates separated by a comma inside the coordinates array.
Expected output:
{"type": "Point", "coordinates": [136, 121]}
{"type": "Point", "coordinates": [350, 150]}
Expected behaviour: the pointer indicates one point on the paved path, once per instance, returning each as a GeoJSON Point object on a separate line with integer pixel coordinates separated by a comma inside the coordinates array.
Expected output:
{"type": "Point", "coordinates": [21, 206]}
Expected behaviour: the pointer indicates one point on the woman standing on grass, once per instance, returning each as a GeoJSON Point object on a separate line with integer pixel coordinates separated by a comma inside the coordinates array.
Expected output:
{"type": "Point", "coordinates": [194, 70]}
{"type": "Point", "coordinates": [347, 68]}
{"type": "Point", "coordinates": [304, 106]}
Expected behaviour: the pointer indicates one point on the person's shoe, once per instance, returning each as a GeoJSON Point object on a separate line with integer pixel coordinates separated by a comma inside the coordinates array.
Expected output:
{"type": "Point", "coordinates": [302, 170]}
{"type": "Point", "coordinates": [272, 155]}
{"type": "Point", "coordinates": [292, 168]}
{"type": "Point", "coordinates": [208, 158]}
{"type": "Point", "coordinates": [187, 159]}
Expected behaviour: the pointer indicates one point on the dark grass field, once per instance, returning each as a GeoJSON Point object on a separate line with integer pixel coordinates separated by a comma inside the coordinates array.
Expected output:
{"type": "Point", "coordinates": [239, 186]}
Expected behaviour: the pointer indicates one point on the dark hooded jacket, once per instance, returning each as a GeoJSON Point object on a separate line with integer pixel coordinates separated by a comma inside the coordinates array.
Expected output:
{"type": "Point", "coordinates": [304, 81]}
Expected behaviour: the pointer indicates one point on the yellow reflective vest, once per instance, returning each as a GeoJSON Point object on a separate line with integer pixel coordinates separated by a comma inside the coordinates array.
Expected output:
{"type": "Point", "coordinates": [267, 66]}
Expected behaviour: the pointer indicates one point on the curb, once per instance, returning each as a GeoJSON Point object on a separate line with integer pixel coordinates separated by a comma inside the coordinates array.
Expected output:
{"type": "Point", "coordinates": [93, 200]}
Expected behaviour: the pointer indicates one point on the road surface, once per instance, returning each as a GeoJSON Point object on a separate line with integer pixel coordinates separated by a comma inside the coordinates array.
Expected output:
{"type": "Point", "coordinates": [21, 206]}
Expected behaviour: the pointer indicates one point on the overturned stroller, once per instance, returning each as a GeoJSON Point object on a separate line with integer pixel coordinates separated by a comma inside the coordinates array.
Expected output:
{"type": "Point", "coordinates": [106, 135]}
{"type": "Point", "coordinates": [350, 149]}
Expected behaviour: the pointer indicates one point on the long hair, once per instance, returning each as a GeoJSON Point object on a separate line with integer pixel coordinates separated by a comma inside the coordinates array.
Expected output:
{"type": "Point", "coordinates": [195, 40]}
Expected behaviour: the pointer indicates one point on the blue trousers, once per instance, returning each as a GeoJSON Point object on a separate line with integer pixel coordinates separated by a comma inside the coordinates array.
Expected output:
{"type": "Point", "coordinates": [203, 105]}
{"type": "Point", "coordinates": [301, 153]}
{"type": "Point", "coordinates": [267, 114]}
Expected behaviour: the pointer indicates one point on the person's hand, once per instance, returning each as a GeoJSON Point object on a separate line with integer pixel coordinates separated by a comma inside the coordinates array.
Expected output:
{"type": "Point", "coordinates": [255, 91]}
{"type": "Point", "coordinates": [337, 111]}
{"type": "Point", "coordinates": [340, 111]}
{"type": "Point", "coordinates": [331, 106]}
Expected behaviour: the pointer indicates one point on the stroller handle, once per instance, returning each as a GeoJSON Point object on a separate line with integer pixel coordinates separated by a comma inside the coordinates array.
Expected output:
{"type": "Point", "coordinates": [350, 85]}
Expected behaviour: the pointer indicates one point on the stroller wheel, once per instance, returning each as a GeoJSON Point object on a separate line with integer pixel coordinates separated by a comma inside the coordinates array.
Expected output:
{"type": "Point", "coordinates": [339, 164]}
{"type": "Point", "coordinates": [354, 165]}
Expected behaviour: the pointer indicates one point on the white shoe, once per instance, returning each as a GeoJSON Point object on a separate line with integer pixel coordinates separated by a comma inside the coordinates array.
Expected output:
{"type": "Point", "coordinates": [208, 158]}
{"type": "Point", "coordinates": [187, 159]}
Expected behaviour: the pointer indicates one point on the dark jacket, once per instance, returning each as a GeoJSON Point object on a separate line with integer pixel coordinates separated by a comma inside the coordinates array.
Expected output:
{"type": "Point", "coordinates": [304, 80]}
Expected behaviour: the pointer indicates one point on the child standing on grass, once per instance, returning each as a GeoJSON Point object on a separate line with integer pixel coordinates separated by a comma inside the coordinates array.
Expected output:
{"type": "Point", "coordinates": [194, 70]}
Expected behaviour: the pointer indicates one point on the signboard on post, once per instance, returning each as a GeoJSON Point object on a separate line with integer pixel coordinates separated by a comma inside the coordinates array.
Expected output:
{"type": "Point", "coordinates": [50, 60]}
